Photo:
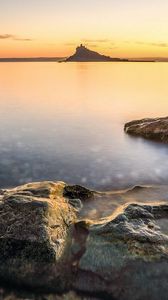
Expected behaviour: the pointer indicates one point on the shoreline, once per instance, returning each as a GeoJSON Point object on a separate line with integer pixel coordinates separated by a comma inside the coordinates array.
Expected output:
{"type": "Point", "coordinates": [58, 241]}
{"type": "Point", "coordinates": [58, 60]}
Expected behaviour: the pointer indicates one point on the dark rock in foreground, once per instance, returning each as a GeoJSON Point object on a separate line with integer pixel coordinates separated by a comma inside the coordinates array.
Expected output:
{"type": "Point", "coordinates": [84, 54]}
{"type": "Point", "coordinates": [35, 236]}
{"type": "Point", "coordinates": [127, 257]}
{"type": "Point", "coordinates": [77, 192]}
{"type": "Point", "coordinates": [154, 129]}
{"type": "Point", "coordinates": [45, 246]}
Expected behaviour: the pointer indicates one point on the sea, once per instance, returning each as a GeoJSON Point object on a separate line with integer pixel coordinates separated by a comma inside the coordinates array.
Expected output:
{"type": "Point", "coordinates": [65, 121]}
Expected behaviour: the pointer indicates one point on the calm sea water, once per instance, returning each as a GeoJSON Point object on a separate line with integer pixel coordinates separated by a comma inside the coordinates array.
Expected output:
{"type": "Point", "coordinates": [65, 122]}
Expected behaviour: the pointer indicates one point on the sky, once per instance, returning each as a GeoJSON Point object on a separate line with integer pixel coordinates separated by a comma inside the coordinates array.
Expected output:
{"type": "Point", "coordinates": [119, 28]}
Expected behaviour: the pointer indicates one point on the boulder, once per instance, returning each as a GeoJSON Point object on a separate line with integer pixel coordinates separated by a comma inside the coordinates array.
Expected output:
{"type": "Point", "coordinates": [77, 192]}
{"type": "Point", "coordinates": [126, 257]}
{"type": "Point", "coordinates": [154, 129]}
{"type": "Point", "coordinates": [36, 224]}
{"type": "Point", "coordinates": [47, 247]}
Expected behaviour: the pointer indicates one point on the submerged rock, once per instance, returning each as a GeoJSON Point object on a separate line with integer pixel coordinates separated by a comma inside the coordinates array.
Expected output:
{"type": "Point", "coordinates": [154, 129]}
{"type": "Point", "coordinates": [45, 246]}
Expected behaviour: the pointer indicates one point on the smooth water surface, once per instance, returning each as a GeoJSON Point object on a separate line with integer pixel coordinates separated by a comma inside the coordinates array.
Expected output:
{"type": "Point", "coordinates": [65, 122]}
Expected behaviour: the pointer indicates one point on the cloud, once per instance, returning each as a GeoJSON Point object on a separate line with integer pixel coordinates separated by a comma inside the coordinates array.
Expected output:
{"type": "Point", "coordinates": [5, 36]}
{"type": "Point", "coordinates": [154, 44]}
{"type": "Point", "coordinates": [94, 46]}
{"type": "Point", "coordinates": [22, 39]}
{"type": "Point", "coordinates": [95, 41]}
{"type": "Point", "coordinates": [13, 37]}
{"type": "Point", "coordinates": [70, 44]}
{"type": "Point", "coordinates": [164, 45]}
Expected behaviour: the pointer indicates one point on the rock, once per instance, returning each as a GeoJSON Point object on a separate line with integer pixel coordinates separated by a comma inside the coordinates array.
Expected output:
{"type": "Point", "coordinates": [154, 129]}
{"type": "Point", "coordinates": [126, 258]}
{"type": "Point", "coordinates": [77, 191]}
{"type": "Point", "coordinates": [36, 224]}
{"type": "Point", "coordinates": [22, 295]}
{"type": "Point", "coordinates": [46, 247]}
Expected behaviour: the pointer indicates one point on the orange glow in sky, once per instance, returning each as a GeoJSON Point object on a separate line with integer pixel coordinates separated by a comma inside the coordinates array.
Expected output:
{"type": "Point", "coordinates": [119, 28]}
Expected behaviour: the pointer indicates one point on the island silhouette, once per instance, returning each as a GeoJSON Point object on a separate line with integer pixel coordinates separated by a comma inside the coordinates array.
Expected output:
{"type": "Point", "coordinates": [84, 54]}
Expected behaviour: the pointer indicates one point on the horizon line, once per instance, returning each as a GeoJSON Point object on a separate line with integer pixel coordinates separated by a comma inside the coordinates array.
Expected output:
{"type": "Point", "coordinates": [62, 57]}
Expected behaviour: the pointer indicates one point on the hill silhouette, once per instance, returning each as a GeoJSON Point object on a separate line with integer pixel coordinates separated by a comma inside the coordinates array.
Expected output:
{"type": "Point", "coordinates": [84, 54]}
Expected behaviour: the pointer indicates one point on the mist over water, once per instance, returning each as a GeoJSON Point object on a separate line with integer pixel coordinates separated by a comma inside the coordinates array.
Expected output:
{"type": "Point", "coordinates": [65, 122]}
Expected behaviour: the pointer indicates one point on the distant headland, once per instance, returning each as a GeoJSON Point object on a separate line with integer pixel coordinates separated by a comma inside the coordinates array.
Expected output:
{"type": "Point", "coordinates": [32, 59]}
{"type": "Point", "coordinates": [84, 54]}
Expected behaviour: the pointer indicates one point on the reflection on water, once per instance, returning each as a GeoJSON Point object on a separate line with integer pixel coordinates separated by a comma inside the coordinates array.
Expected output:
{"type": "Point", "coordinates": [65, 122]}
{"type": "Point", "coordinates": [110, 204]}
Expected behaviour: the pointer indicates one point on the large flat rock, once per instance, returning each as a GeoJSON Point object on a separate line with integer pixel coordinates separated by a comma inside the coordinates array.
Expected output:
{"type": "Point", "coordinates": [154, 129]}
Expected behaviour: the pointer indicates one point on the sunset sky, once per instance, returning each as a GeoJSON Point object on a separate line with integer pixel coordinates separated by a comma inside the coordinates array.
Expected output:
{"type": "Point", "coordinates": [120, 28]}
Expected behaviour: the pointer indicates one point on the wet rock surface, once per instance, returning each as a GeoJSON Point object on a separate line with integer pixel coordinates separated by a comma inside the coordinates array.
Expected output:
{"type": "Point", "coordinates": [154, 129]}
{"type": "Point", "coordinates": [127, 257]}
{"type": "Point", "coordinates": [47, 244]}
{"type": "Point", "coordinates": [77, 192]}
{"type": "Point", "coordinates": [35, 236]}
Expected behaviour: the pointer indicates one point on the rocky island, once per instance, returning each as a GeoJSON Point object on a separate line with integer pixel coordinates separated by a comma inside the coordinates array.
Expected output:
{"type": "Point", "coordinates": [51, 244]}
{"type": "Point", "coordinates": [84, 54]}
{"type": "Point", "coordinates": [153, 129]}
